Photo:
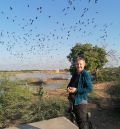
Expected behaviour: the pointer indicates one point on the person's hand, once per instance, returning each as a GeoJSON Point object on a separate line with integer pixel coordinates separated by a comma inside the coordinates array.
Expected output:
{"type": "Point", "coordinates": [71, 89]}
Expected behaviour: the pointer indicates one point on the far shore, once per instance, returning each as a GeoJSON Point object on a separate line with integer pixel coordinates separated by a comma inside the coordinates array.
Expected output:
{"type": "Point", "coordinates": [37, 71]}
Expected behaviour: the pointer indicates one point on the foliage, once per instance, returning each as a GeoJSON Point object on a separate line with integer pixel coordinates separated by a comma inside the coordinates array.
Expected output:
{"type": "Point", "coordinates": [14, 100]}
{"type": "Point", "coordinates": [108, 74]}
{"type": "Point", "coordinates": [114, 91]}
{"type": "Point", "coordinates": [48, 108]}
{"type": "Point", "coordinates": [16, 103]}
{"type": "Point", "coordinates": [95, 57]}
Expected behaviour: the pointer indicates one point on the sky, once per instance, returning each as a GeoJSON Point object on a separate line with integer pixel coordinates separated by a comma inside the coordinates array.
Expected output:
{"type": "Point", "coordinates": [39, 34]}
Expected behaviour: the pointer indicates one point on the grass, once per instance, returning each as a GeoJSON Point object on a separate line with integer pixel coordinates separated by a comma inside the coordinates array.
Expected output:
{"type": "Point", "coordinates": [13, 101]}
{"type": "Point", "coordinates": [6, 74]}
{"type": "Point", "coordinates": [17, 103]}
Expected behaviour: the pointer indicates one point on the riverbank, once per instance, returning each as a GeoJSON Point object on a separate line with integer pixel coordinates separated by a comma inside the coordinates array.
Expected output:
{"type": "Point", "coordinates": [104, 101]}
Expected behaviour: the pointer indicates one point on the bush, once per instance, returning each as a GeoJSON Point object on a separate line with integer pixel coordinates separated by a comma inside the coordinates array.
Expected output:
{"type": "Point", "coordinates": [16, 104]}
{"type": "Point", "coordinates": [46, 109]}
{"type": "Point", "coordinates": [114, 91]}
{"type": "Point", "coordinates": [13, 101]}
{"type": "Point", "coordinates": [108, 74]}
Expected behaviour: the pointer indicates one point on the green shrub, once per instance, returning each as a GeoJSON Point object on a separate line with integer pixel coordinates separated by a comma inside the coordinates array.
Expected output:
{"type": "Point", "coordinates": [46, 109]}
{"type": "Point", "coordinates": [114, 91]}
{"type": "Point", "coordinates": [16, 104]}
{"type": "Point", "coordinates": [13, 101]}
{"type": "Point", "coordinates": [108, 74]}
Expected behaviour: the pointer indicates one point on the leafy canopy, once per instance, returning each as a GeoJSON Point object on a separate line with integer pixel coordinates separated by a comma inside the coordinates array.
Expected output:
{"type": "Point", "coordinates": [94, 56]}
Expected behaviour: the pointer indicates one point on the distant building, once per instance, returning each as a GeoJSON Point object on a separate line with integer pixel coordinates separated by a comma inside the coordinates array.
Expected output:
{"type": "Point", "coordinates": [57, 70]}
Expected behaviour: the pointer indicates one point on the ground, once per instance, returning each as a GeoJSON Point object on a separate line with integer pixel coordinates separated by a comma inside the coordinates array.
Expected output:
{"type": "Point", "coordinates": [104, 102]}
{"type": "Point", "coordinates": [103, 106]}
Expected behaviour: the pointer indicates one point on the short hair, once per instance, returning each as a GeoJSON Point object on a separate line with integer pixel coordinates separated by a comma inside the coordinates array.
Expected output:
{"type": "Point", "coordinates": [79, 58]}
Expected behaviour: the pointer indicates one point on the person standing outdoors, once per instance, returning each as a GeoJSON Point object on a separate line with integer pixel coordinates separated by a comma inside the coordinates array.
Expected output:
{"type": "Point", "coordinates": [80, 85]}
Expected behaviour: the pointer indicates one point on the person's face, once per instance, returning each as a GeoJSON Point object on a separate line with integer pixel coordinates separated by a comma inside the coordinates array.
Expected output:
{"type": "Point", "coordinates": [80, 64]}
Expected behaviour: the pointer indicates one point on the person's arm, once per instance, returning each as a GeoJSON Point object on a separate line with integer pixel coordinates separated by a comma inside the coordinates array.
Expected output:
{"type": "Point", "coordinates": [71, 81]}
{"type": "Point", "coordinates": [70, 87]}
{"type": "Point", "coordinates": [87, 84]}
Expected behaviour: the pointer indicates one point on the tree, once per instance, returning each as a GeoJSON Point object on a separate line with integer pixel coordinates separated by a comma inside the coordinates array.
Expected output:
{"type": "Point", "coordinates": [95, 57]}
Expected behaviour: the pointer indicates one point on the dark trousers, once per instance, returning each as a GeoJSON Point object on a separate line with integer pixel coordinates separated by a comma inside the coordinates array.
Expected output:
{"type": "Point", "coordinates": [81, 115]}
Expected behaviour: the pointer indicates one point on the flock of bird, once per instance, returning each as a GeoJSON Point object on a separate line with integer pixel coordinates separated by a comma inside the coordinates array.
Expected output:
{"type": "Point", "coordinates": [29, 39]}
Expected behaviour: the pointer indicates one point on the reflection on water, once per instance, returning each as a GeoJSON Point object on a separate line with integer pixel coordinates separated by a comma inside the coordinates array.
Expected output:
{"type": "Point", "coordinates": [44, 76]}
{"type": "Point", "coordinates": [49, 86]}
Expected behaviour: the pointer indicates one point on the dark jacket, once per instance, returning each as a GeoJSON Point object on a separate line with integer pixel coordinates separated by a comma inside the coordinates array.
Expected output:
{"type": "Point", "coordinates": [83, 83]}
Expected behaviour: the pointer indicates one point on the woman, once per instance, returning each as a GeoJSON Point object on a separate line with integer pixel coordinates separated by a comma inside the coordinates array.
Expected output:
{"type": "Point", "coordinates": [79, 87]}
